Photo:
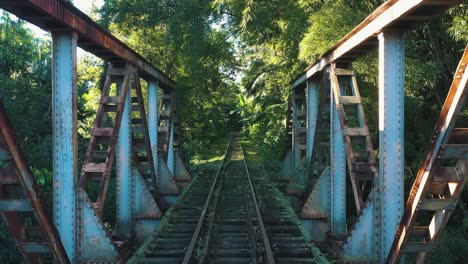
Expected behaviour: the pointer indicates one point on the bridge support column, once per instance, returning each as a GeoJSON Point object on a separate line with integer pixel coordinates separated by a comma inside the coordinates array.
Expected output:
{"type": "Point", "coordinates": [125, 196]}
{"type": "Point", "coordinates": [297, 178]}
{"type": "Point", "coordinates": [298, 130]}
{"type": "Point", "coordinates": [338, 172]}
{"type": "Point", "coordinates": [312, 111]}
{"type": "Point", "coordinates": [391, 133]}
{"type": "Point", "coordinates": [167, 185]}
{"type": "Point", "coordinates": [295, 140]}
{"type": "Point", "coordinates": [170, 149]}
{"type": "Point", "coordinates": [64, 149]}
{"type": "Point", "coordinates": [181, 174]}
{"type": "Point", "coordinates": [153, 124]}
{"type": "Point", "coordinates": [146, 212]}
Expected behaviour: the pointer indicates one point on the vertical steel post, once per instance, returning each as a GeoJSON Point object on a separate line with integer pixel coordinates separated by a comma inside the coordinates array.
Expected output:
{"type": "Point", "coordinates": [153, 123]}
{"type": "Point", "coordinates": [338, 171]}
{"type": "Point", "coordinates": [124, 171]}
{"type": "Point", "coordinates": [391, 133]}
{"type": "Point", "coordinates": [170, 150]}
{"type": "Point", "coordinates": [64, 149]}
{"type": "Point", "coordinates": [295, 140]}
{"type": "Point", "coordinates": [312, 111]}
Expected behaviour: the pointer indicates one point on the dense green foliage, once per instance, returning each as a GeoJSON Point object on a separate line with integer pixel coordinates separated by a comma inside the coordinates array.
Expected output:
{"type": "Point", "coordinates": [233, 61]}
{"type": "Point", "coordinates": [180, 37]}
{"type": "Point", "coordinates": [262, 45]}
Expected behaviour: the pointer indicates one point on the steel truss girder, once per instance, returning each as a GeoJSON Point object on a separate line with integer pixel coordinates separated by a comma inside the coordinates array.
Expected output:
{"type": "Point", "coordinates": [15, 173]}
{"type": "Point", "coordinates": [167, 184]}
{"type": "Point", "coordinates": [171, 168]}
{"type": "Point", "coordinates": [289, 124]}
{"type": "Point", "coordinates": [362, 170]}
{"type": "Point", "coordinates": [317, 202]}
{"type": "Point", "coordinates": [143, 156]}
{"type": "Point", "coordinates": [438, 184]}
{"type": "Point", "coordinates": [391, 136]}
{"type": "Point", "coordinates": [299, 126]}
{"type": "Point", "coordinates": [295, 164]}
{"type": "Point", "coordinates": [146, 213]}
{"type": "Point", "coordinates": [377, 223]}
{"type": "Point", "coordinates": [64, 148]}
{"type": "Point", "coordinates": [312, 103]}
{"type": "Point", "coordinates": [338, 172]}
{"type": "Point", "coordinates": [180, 173]}
{"type": "Point", "coordinates": [100, 167]}
{"type": "Point", "coordinates": [124, 179]}
{"type": "Point", "coordinates": [94, 242]}
{"type": "Point", "coordinates": [139, 193]}
{"type": "Point", "coordinates": [170, 149]}
{"type": "Point", "coordinates": [166, 115]}
{"type": "Point", "coordinates": [62, 16]}
{"type": "Point", "coordinates": [326, 183]}
{"type": "Point", "coordinates": [316, 210]}
{"type": "Point", "coordinates": [391, 15]}
{"type": "Point", "coordinates": [362, 241]}
{"type": "Point", "coordinates": [137, 209]}
{"type": "Point", "coordinates": [286, 164]}
{"type": "Point", "coordinates": [167, 112]}
{"type": "Point", "coordinates": [153, 123]}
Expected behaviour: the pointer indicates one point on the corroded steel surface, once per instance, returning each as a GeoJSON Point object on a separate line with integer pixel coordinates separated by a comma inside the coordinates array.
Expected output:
{"type": "Point", "coordinates": [20, 174]}
{"type": "Point", "coordinates": [437, 186]}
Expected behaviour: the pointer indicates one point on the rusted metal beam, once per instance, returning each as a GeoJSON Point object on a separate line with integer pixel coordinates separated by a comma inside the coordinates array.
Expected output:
{"type": "Point", "coordinates": [391, 15]}
{"type": "Point", "coordinates": [433, 171]}
{"type": "Point", "coordinates": [59, 15]}
{"type": "Point", "coordinates": [20, 173]}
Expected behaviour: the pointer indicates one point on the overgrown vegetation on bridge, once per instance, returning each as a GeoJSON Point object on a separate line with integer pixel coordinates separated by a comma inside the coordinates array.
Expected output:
{"type": "Point", "coordinates": [233, 61]}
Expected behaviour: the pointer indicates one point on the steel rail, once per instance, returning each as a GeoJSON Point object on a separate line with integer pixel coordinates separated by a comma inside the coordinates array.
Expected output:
{"type": "Point", "coordinates": [188, 258]}
{"type": "Point", "coordinates": [193, 242]}
{"type": "Point", "coordinates": [206, 247]}
{"type": "Point", "coordinates": [249, 217]}
{"type": "Point", "coordinates": [266, 241]}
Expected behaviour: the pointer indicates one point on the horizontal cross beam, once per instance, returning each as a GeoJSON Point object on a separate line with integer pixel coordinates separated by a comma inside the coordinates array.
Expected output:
{"type": "Point", "coordinates": [59, 15]}
{"type": "Point", "coordinates": [392, 15]}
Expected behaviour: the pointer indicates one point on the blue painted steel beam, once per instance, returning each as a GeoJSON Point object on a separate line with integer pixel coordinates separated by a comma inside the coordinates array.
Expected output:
{"type": "Point", "coordinates": [95, 243]}
{"type": "Point", "coordinates": [296, 157]}
{"type": "Point", "coordinates": [64, 148]}
{"type": "Point", "coordinates": [147, 214]}
{"type": "Point", "coordinates": [181, 172]}
{"type": "Point", "coordinates": [362, 242]}
{"type": "Point", "coordinates": [338, 172]}
{"type": "Point", "coordinates": [166, 169]}
{"type": "Point", "coordinates": [391, 133]}
{"type": "Point", "coordinates": [17, 205]}
{"type": "Point", "coordinates": [124, 172]}
{"type": "Point", "coordinates": [40, 248]}
{"type": "Point", "coordinates": [153, 115]}
{"type": "Point", "coordinates": [170, 151]}
{"type": "Point", "coordinates": [312, 112]}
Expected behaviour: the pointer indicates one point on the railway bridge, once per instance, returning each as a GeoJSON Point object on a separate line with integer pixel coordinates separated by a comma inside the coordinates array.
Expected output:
{"type": "Point", "coordinates": [235, 215]}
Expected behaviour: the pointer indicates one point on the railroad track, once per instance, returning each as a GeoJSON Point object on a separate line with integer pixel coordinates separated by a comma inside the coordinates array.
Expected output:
{"type": "Point", "coordinates": [170, 242]}
{"type": "Point", "coordinates": [287, 238]}
{"type": "Point", "coordinates": [229, 218]}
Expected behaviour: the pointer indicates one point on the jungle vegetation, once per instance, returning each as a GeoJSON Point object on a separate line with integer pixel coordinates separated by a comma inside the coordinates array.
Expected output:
{"type": "Point", "coordinates": [233, 61]}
